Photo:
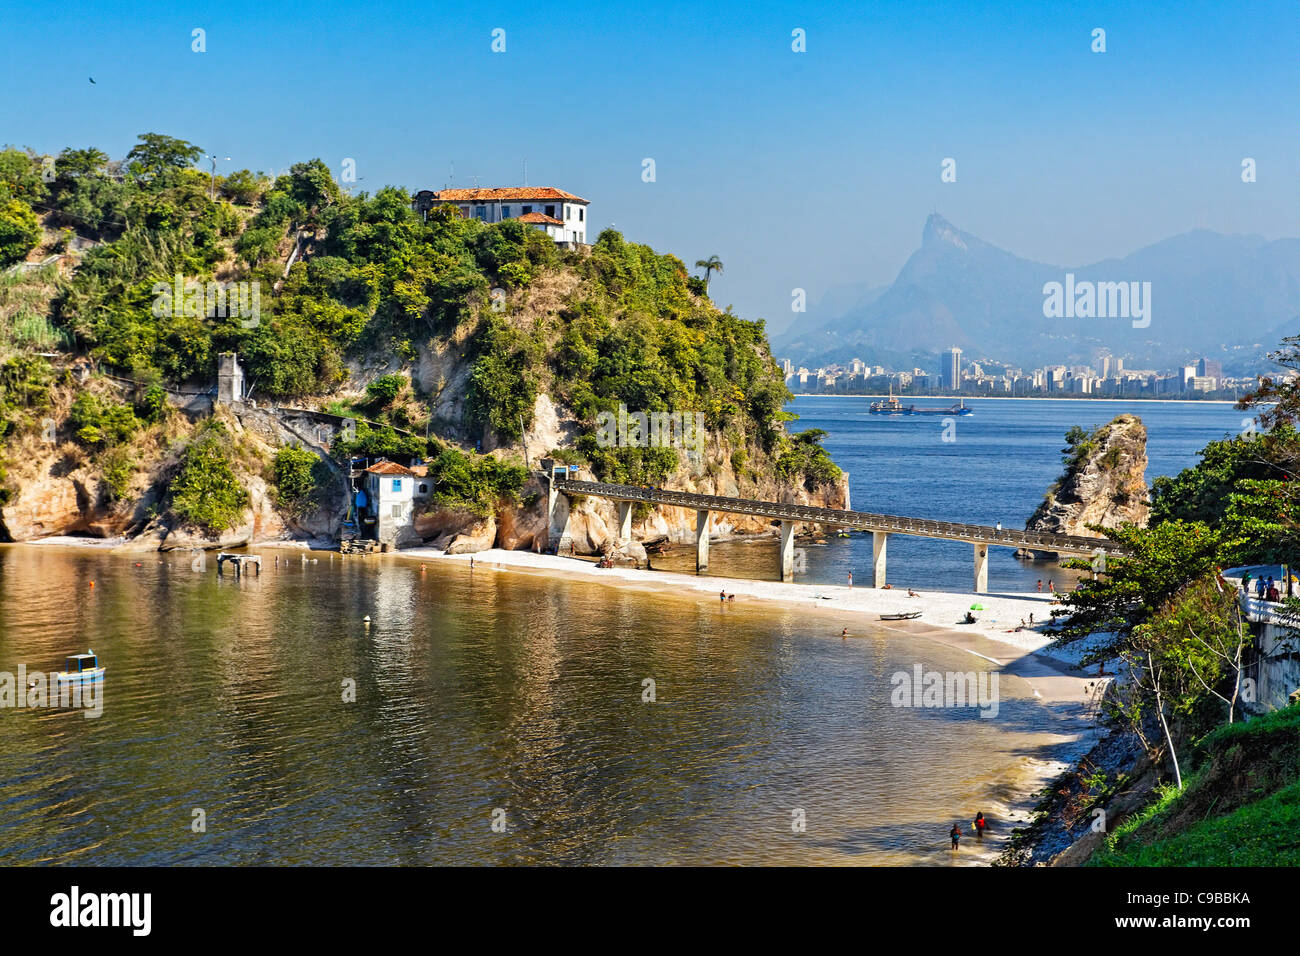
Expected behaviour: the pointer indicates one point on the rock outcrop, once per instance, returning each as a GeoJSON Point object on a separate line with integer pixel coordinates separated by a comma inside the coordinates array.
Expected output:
{"type": "Point", "coordinates": [1104, 484]}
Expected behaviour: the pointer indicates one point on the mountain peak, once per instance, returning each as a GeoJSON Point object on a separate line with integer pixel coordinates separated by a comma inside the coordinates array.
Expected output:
{"type": "Point", "coordinates": [940, 230]}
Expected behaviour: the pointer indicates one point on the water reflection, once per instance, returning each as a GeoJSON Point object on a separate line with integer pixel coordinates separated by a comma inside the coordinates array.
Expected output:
{"type": "Point", "coordinates": [474, 691]}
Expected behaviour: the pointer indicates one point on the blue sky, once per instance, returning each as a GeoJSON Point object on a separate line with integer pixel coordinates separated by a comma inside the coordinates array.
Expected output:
{"type": "Point", "coordinates": [800, 170]}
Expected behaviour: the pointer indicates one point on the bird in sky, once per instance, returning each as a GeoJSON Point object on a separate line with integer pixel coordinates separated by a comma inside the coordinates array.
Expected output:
{"type": "Point", "coordinates": [92, 79]}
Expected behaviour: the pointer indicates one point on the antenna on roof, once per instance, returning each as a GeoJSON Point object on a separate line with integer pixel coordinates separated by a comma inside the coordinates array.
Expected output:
{"type": "Point", "coordinates": [476, 182]}
{"type": "Point", "coordinates": [453, 172]}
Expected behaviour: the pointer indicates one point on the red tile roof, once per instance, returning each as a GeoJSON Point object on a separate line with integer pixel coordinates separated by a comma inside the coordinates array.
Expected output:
{"type": "Point", "coordinates": [389, 468]}
{"type": "Point", "coordinates": [536, 217]}
{"type": "Point", "coordinates": [504, 193]}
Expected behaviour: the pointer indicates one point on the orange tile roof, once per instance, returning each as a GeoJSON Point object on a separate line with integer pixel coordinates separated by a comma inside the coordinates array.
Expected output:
{"type": "Point", "coordinates": [536, 217]}
{"type": "Point", "coordinates": [504, 193]}
{"type": "Point", "coordinates": [389, 468]}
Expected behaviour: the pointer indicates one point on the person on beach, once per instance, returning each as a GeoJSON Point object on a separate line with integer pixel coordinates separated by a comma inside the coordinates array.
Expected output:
{"type": "Point", "coordinates": [722, 597]}
{"type": "Point", "coordinates": [955, 833]}
{"type": "Point", "coordinates": [850, 579]}
{"type": "Point", "coordinates": [980, 824]}
{"type": "Point", "coordinates": [844, 634]}
{"type": "Point", "coordinates": [1051, 585]}
{"type": "Point", "coordinates": [911, 593]}
{"type": "Point", "coordinates": [1260, 588]}
{"type": "Point", "coordinates": [1031, 617]}
{"type": "Point", "coordinates": [1040, 585]}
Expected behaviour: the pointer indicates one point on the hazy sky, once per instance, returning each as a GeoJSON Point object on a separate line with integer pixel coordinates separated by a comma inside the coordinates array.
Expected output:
{"type": "Point", "coordinates": [800, 170]}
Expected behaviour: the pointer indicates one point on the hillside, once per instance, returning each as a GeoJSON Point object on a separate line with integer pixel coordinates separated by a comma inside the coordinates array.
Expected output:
{"type": "Point", "coordinates": [1220, 296]}
{"type": "Point", "coordinates": [1241, 808]}
{"type": "Point", "coordinates": [477, 348]}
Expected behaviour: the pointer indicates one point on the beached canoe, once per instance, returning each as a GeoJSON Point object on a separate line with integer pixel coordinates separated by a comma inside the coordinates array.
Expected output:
{"type": "Point", "coordinates": [908, 616]}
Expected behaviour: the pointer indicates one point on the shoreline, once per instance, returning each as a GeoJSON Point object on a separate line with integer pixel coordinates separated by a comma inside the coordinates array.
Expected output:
{"type": "Point", "coordinates": [1061, 692]}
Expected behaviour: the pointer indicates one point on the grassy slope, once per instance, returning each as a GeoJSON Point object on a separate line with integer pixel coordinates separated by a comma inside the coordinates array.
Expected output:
{"type": "Point", "coordinates": [1240, 808]}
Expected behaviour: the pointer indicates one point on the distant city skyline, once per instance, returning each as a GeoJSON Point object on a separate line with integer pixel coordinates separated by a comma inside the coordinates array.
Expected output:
{"type": "Point", "coordinates": [1060, 153]}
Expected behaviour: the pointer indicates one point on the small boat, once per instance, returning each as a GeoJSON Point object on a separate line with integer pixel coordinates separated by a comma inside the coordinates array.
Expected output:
{"type": "Point", "coordinates": [82, 669]}
{"type": "Point", "coordinates": [903, 616]}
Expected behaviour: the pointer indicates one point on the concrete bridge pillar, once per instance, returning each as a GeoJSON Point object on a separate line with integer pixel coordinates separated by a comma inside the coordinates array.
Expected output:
{"type": "Point", "coordinates": [981, 568]}
{"type": "Point", "coordinates": [701, 540]}
{"type": "Point", "coordinates": [787, 550]}
{"type": "Point", "coordinates": [624, 520]}
{"type": "Point", "coordinates": [879, 539]}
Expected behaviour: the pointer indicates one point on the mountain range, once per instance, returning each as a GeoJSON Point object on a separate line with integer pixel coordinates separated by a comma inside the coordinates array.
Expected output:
{"type": "Point", "coordinates": [1225, 297]}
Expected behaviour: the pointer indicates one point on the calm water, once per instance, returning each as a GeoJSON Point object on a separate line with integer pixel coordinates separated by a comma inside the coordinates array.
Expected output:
{"type": "Point", "coordinates": [475, 691]}
{"type": "Point", "coordinates": [484, 690]}
{"type": "Point", "coordinates": [1000, 465]}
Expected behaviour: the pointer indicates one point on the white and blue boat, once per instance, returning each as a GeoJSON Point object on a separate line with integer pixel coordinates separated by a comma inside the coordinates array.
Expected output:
{"type": "Point", "coordinates": [81, 669]}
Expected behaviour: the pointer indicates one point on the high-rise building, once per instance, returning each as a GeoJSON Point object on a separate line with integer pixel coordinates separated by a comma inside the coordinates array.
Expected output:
{"type": "Point", "coordinates": [1105, 362]}
{"type": "Point", "coordinates": [1210, 368]}
{"type": "Point", "coordinates": [950, 371]}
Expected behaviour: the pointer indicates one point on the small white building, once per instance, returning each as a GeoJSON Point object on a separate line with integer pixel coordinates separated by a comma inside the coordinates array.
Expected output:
{"type": "Point", "coordinates": [390, 500]}
{"type": "Point", "coordinates": [559, 214]}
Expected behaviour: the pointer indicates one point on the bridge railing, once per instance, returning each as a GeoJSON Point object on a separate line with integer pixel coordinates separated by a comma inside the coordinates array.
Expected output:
{"type": "Point", "coordinates": [923, 527]}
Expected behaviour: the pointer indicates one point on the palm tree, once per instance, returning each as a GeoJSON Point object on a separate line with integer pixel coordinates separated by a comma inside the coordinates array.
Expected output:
{"type": "Point", "coordinates": [709, 265]}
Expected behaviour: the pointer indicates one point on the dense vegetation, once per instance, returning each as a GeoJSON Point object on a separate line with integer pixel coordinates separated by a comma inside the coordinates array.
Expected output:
{"type": "Point", "coordinates": [1166, 612]}
{"type": "Point", "coordinates": [618, 324]}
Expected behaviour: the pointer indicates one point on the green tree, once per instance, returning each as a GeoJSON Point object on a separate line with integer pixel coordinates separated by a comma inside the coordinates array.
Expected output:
{"type": "Point", "coordinates": [20, 231]}
{"type": "Point", "coordinates": [296, 478]}
{"type": "Point", "coordinates": [1162, 561]}
{"type": "Point", "coordinates": [1278, 398]}
{"type": "Point", "coordinates": [156, 156]}
{"type": "Point", "coordinates": [206, 491]}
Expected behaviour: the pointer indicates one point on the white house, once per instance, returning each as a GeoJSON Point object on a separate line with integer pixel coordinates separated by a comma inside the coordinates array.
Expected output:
{"type": "Point", "coordinates": [390, 501]}
{"type": "Point", "coordinates": [561, 215]}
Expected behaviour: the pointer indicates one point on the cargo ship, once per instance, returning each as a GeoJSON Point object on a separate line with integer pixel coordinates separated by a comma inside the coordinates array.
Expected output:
{"type": "Point", "coordinates": [892, 406]}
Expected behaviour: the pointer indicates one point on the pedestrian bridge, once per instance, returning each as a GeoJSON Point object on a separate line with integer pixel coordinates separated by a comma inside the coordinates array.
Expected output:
{"type": "Point", "coordinates": [980, 537]}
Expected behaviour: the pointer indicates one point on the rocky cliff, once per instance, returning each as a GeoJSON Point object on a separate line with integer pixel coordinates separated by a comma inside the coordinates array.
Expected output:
{"type": "Point", "coordinates": [1104, 482]}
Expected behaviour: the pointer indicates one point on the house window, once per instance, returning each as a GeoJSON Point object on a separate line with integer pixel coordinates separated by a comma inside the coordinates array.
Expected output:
{"type": "Point", "coordinates": [480, 212]}
{"type": "Point", "coordinates": [397, 484]}
{"type": "Point", "coordinates": [397, 511]}
{"type": "Point", "coordinates": [505, 212]}
{"type": "Point", "coordinates": [424, 489]}
{"type": "Point", "coordinates": [527, 210]}
{"type": "Point", "coordinates": [580, 212]}
{"type": "Point", "coordinates": [464, 210]}
{"type": "Point", "coordinates": [550, 211]}
{"type": "Point", "coordinates": [567, 212]}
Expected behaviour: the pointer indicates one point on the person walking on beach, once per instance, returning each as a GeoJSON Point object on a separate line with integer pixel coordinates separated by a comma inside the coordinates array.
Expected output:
{"type": "Point", "coordinates": [471, 562]}
{"type": "Point", "coordinates": [955, 833]}
{"type": "Point", "coordinates": [850, 579]}
{"type": "Point", "coordinates": [722, 597]}
{"type": "Point", "coordinates": [1051, 585]}
{"type": "Point", "coordinates": [1245, 583]}
{"type": "Point", "coordinates": [980, 824]}
{"type": "Point", "coordinates": [1040, 585]}
{"type": "Point", "coordinates": [1260, 588]}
